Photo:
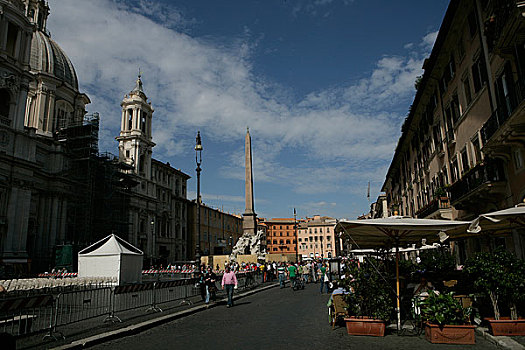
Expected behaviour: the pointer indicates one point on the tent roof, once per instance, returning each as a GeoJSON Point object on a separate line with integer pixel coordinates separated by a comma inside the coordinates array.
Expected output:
{"type": "Point", "coordinates": [110, 245]}
{"type": "Point", "coordinates": [376, 232]}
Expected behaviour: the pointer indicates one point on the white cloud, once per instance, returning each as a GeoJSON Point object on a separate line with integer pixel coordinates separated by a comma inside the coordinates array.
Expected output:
{"type": "Point", "coordinates": [209, 84]}
{"type": "Point", "coordinates": [430, 39]}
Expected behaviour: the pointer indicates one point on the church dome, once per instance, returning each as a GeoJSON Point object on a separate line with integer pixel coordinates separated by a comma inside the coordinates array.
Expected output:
{"type": "Point", "coordinates": [47, 57]}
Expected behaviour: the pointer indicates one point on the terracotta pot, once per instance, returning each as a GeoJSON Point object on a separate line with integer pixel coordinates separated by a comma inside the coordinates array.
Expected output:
{"type": "Point", "coordinates": [506, 326]}
{"type": "Point", "coordinates": [450, 334]}
{"type": "Point", "coordinates": [365, 326]}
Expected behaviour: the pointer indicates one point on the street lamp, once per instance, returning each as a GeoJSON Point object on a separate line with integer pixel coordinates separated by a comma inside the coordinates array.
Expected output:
{"type": "Point", "coordinates": [322, 250]}
{"type": "Point", "coordinates": [295, 232]}
{"type": "Point", "coordinates": [231, 244]}
{"type": "Point", "coordinates": [198, 160]}
{"type": "Point", "coordinates": [152, 241]}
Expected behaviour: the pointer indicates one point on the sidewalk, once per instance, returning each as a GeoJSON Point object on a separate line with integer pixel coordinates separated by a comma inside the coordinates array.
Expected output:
{"type": "Point", "coordinates": [514, 343]}
{"type": "Point", "coordinates": [96, 330]}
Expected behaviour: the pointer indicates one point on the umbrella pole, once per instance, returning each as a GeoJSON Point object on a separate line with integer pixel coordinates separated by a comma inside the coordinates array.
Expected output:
{"type": "Point", "coordinates": [397, 290]}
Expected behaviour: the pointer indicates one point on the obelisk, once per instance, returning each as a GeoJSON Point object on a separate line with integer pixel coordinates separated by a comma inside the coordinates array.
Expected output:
{"type": "Point", "coordinates": [249, 221]}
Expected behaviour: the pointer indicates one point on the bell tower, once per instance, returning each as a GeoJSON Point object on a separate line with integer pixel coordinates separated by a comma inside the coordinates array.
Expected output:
{"type": "Point", "coordinates": [134, 142]}
{"type": "Point", "coordinates": [37, 11]}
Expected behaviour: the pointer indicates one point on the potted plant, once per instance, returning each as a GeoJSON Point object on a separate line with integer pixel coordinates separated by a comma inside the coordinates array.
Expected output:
{"type": "Point", "coordinates": [500, 276]}
{"type": "Point", "coordinates": [446, 321]}
{"type": "Point", "coordinates": [370, 303]}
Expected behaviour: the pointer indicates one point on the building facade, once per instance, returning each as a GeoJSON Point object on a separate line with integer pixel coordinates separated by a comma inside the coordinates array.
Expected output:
{"type": "Point", "coordinates": [317, 239]}
{"type": "Point", "coordinates": [56, 190]}
{"type": "Point", "coordinates": [39, 97]}
{"type": "Point", "coordinates": [158, 211]}
{"type": "Point", "coordinates": [462, 148]}
{"type": "Point", "coordinates": [280, 236]}
{"type": "Point", "coordinates": [219, 233]}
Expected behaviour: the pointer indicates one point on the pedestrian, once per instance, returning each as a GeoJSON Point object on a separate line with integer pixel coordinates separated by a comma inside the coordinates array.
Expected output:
{"type": "Point", "coordinates": [262, 268]}
{"type": "Point", "coordinates": [292, 272]}
{"type": "Point", "coordinates": [323, 278]}
{"type": "Point", "coordinates": [229, 281]}
{"type": "Point", "coordinates": [313, 269]}
{"type": "Point", "coordinates": [209, 280]}
{"type": "Point", "coordinates": [281, 271]}
{"type": "Point", "coordinates": [202, 286]}
{"type": "Point", "coordinates": [306, 272]}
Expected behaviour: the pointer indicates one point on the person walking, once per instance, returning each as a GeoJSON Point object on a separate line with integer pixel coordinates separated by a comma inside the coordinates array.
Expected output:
{"type": "Point", "coordinates": [313, 269]}
{"type": "Point", "coordinates": [292, 273]}
{"type": "Point", "coordinates": [229, 281]}
{"type": "Point", "coordinates": [323, 278]}
{"type": "Point", "coordinates": [202, 285]}
{"type": "Point", "coordinates": [209, 280]}
{"type": "Point", "coordinates": [262, 268]}
{"type": "Point", "coordinates": [281, 271]}
{"type": "Point", "coordinates": [306, 272]}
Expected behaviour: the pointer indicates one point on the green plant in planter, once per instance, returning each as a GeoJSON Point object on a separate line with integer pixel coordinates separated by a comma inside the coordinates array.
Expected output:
{"type": "Point", "coordinates": [443, 309]}
{"type": "Point", "coordinates": [371, 295]}
{"type": "Point", "coordinates": [500, 275]}
{"type": "Point", "coordinates": [440, 192]}
{"type": "Point", "coordinates": [437, 261]}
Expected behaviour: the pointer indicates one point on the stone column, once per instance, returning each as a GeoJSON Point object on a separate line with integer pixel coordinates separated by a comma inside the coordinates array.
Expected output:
{"type": "Point", "coordinates": [18, 214]}
{"type": "Point", "coordinates": [249, 216]}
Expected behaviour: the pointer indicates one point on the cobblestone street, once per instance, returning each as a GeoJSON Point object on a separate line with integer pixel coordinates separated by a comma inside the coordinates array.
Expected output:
{"type": "Point", "coordinates": [276, 318]}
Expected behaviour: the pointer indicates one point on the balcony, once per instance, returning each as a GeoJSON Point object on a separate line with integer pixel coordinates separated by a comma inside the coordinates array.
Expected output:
{"type": "Point", "coordinates": [450, 137]}
{"type": "Point", "coordinates": [486, 181]}
{"type": "Point", "coordinates": [5, 121]}
{"type": "Point", "coordinates": [503, 112]}
{"type": "Point", "coordinates": [436, 205]}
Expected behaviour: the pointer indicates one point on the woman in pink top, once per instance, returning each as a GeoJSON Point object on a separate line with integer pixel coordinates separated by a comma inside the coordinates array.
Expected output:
{"type": "Point", "coordinates": [230, 281]}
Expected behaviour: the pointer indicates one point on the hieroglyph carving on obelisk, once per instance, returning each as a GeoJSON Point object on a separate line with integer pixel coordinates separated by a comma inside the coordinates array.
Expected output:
{"type": "Point", "coordinates": [249, 223]}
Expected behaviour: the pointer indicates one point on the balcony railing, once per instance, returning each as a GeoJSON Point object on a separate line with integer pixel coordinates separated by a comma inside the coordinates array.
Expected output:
{"type": "Point", "coordinates": [450, 137]}
{"type": "Point", "coordinates": [503, 112]}
{"type": "Point", "coordinates": [483, 173]}
{"type": "Point", "coordinates": [5, 121]}
{"type": "Point", "coordinates": [433, 206]}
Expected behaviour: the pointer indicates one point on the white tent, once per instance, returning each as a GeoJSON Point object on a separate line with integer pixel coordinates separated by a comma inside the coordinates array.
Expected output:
{"type": "Point", "coordinates": [111, 257]}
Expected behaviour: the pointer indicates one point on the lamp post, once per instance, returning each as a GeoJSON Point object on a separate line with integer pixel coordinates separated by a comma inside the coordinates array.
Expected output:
{"type": "Point", "coordinates": [322, 249]}
{"type": "Point", "coordinates": [295, 232]}
{"type": "Point", "coordinates": [198, 160]}
{"type": "Point", "coordinates": [231, 244]}
{"type": "Point", "coordinates": [152, 241]}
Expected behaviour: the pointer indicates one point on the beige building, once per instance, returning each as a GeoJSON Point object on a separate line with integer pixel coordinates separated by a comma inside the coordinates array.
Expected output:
{"type": "Point", "coordinates": [316, 238]}
{"type": "Point", "coordinates": [462, 148]}
{"type": "Point", "coordinates": [220, 231]}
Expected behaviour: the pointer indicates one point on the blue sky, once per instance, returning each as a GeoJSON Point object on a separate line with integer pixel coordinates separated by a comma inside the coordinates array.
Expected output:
{"type": "Point", "coordinates": [324, 86]}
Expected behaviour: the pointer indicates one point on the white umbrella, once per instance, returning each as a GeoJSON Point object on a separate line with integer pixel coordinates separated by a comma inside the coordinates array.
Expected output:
{"type": "Point", "coordinates": [505, 219]}
{"type": "Point", "coordinates": [374, 233]}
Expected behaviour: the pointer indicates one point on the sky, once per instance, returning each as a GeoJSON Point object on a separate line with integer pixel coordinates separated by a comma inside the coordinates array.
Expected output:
{"type": "Point", "coordinates": [323, 85]}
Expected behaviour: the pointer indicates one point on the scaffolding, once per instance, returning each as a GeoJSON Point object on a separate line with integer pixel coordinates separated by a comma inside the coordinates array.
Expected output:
{"type": "Point", "coordinates": [99, 204]}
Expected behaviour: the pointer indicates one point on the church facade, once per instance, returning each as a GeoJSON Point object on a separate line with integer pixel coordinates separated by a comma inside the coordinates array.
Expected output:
{"type": "Point", "coordinates": [158, 209]}
{"type": "Point", "coordinates": [56, 189]}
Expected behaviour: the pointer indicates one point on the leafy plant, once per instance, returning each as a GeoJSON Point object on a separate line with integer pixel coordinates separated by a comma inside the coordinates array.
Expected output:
{"type": "Point", "coordinates": [440, 192]}
{"type": "Point", "coordinates": [444, 309]}
{"type": "Point", "coordinates": [500, 275]}
{"type": "Point", "coordinates": [370, 294]}
{"type": "Point", "coordinates": [437, 261]}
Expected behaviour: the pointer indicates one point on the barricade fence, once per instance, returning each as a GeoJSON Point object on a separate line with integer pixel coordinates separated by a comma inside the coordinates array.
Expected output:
{"type": "Point", "coordinates": [29, 314]}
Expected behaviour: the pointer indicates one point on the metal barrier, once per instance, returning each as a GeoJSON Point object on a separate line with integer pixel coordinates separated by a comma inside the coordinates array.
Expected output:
{"type": "Point", "coordinates": [25, 315]}
{"type": "Point", "coordinates": [45, 312]}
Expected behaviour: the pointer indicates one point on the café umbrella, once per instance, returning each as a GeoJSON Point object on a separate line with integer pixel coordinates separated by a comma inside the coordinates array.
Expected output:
{"type": "Point", "coordinates": [501, 220]}
{"type": "Point", "coordinates": [398, 230]}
